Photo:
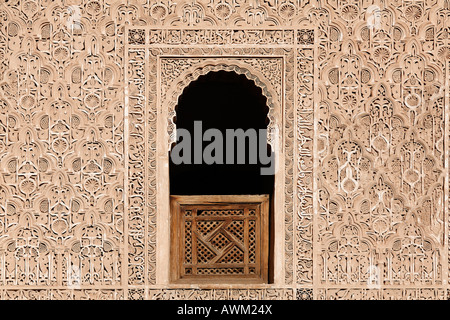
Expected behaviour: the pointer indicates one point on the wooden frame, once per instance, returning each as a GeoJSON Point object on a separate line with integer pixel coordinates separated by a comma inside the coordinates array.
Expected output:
{"type": "Point", "coordinates": [206, 247]}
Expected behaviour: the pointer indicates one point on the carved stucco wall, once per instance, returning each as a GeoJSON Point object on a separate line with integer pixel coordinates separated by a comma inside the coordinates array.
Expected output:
{"type": "Point", "coordinates": [360, 93]}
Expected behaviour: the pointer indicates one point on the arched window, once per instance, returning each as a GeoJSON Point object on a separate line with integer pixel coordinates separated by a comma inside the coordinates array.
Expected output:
{"type": "Point", "coordinates": [226, 102]}
{"type": "Point", "coordinates": [221, 181]}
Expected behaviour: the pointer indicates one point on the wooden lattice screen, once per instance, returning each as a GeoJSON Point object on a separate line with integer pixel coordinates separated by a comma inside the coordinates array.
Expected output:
{"type": "Point", "coordinates": [220, 238]}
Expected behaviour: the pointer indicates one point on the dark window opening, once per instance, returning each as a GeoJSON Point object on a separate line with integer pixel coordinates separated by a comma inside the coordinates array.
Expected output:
{"type": "Point", "coordinates": [222, 100]}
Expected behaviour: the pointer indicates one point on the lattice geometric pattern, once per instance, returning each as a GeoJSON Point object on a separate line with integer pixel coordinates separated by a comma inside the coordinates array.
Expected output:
{"type": "Point", "coordinates": [220, 240]}
{"type": "Point", "coordinates": [366, 97]}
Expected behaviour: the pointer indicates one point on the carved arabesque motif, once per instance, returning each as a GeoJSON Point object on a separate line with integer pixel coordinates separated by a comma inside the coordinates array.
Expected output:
{"type": "Point", "coordinates": [366, 97]}
{"type": "Point", "coordinates": [62, 158]}
{"type": "Point", "coordinates": [380, 144]}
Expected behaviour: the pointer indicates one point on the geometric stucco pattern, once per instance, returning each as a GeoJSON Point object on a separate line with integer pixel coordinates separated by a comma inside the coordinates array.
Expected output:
{"type": "Point", "coordinates": [359, 90]}
{"type": "Point", "coordinates": [189, 66]}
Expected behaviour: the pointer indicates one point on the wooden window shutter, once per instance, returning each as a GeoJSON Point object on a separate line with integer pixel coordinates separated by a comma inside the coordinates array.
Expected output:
{"type": "Point", "coordinates": [220, 239]}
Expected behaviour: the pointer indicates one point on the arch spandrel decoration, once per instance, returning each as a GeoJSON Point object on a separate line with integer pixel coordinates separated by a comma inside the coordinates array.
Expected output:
{"type": "Point", "coordinates": [266, 75]}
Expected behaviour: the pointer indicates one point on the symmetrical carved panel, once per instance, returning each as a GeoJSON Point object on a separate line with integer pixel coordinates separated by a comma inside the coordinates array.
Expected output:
{"type": "Point", "coordinates": [220, 239]}
{"type": "Point", "coordinates": [62, 152]}
{"type": "Point", "coordinates": [381, 157]}
{"type": "Point", "coordinates": [364, 89]}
